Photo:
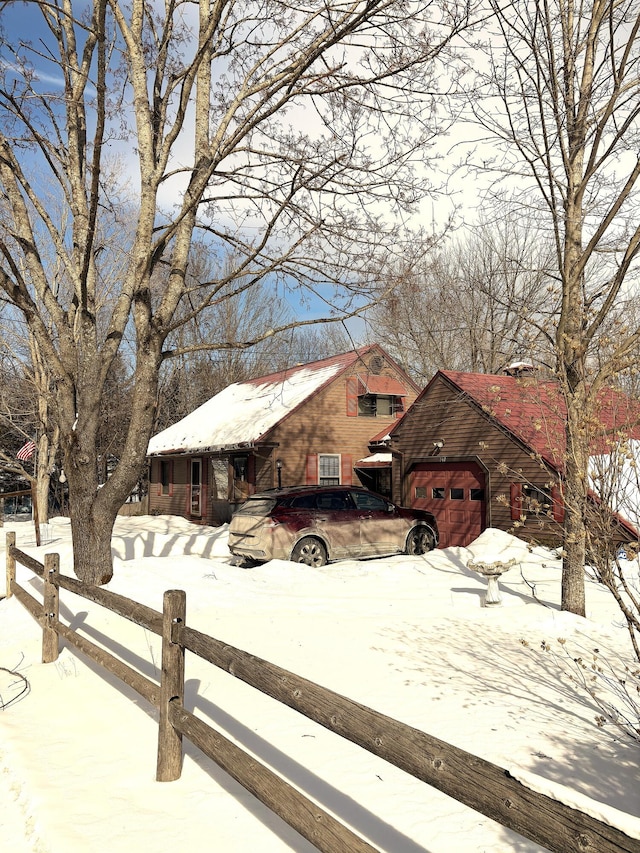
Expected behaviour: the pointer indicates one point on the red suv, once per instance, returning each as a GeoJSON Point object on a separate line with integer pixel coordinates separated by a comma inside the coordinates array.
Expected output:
{"type": "Point", "coordinates": [315, 524]}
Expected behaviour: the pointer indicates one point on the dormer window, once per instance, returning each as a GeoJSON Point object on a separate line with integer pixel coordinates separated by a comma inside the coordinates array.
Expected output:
{"type": "Point", "coordinates": [371, 396]}
{"type": "Point", "coordinates": [378, 405]}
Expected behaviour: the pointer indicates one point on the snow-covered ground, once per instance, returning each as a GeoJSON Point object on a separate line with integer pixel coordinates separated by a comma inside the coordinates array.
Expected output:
{"type": "Point", "coordinates": [407, 636]}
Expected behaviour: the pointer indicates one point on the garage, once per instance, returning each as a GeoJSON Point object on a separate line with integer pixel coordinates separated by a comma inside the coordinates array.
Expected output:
{"type": "Point", "coordinates": [455, 492]}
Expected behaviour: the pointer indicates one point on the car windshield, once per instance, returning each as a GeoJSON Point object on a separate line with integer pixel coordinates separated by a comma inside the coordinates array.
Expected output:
{"type": "Point", "coordinates": [258, 506]}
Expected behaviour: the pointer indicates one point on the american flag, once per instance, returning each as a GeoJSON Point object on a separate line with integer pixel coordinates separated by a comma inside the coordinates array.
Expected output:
{"type": "Point", "coordinates": [26, 451]}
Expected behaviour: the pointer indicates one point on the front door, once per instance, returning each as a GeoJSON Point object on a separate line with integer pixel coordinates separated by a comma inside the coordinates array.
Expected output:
{"type": "Point", "coordinates": [455, 492]}
{"type": "Point", "coordinates": [196, 487]}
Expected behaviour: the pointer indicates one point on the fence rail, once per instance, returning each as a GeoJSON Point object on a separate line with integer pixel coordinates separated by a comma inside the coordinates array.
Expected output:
{"type": "Point", "coordinates": [480, 784]}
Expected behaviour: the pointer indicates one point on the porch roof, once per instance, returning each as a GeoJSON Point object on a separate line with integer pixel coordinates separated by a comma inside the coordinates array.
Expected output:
{"type": "Point", "coordinates": [376, 460]}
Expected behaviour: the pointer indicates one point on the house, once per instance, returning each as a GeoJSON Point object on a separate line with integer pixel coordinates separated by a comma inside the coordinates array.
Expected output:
{"type": "Point", "coordinates": [320, 423]}
{"type": "Point", "coordinates": [486, 450]}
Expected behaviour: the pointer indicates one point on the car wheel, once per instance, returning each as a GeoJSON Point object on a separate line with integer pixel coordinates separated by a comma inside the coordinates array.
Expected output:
{"type": "Point", "coordinates": [309, 551]}
{"type": "Point", "coordinates": [420, 540]}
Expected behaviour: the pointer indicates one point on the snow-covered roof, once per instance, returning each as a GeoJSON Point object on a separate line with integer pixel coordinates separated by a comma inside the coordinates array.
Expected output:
{"type": "Point", "coordinates": [376, 460]}
{"type": "Point", "coordinates": [242, 413]}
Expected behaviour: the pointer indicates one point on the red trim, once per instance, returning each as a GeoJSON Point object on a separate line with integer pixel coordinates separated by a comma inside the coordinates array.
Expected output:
{"type": "Point", "coordinates": [352, 396]}
{"type": "Point", "coordinates": [311, 470]}
{"type": "Point", "coordinates": [515, 500]}
{"type": "Point", "coordinates": [346, 469]}
{"type": "Point", "coordinates": [558, 504]}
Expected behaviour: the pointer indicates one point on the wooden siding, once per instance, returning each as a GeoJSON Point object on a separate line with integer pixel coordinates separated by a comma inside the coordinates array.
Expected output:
{"type": "Point", "coordinates": [215, 511]}
{"type": "Point", "coordinates": [325, 425]}
{"type": "Point", "coordinates": [175, 502]}
{"type": "Point", "coordinates": [443, 414]}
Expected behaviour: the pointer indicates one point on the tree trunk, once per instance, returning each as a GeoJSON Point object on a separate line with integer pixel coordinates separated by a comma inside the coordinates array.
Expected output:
{"type": "Point", "coordinates": [578, 439]}
{"type": "Point", "coordinates": [575, 532]}
{"type": "Point", "coordinates": [42, 495]}
{"type": "Point", "coordinates": [92, 515]}
{"type": "Point", "coordinates": [92, 558]}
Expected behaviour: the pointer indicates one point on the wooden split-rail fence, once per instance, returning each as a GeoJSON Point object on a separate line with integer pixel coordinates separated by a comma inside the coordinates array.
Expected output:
{"type": "Point", "coordinates": [479, 784]}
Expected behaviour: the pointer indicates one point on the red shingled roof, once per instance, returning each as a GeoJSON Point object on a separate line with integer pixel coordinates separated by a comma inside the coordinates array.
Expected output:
{"type": "Point", "coordinates": [534, 411]}
{"type": "Point", "coordinates": [384, 385]}
{"type": "Point", "coordinates": [343, 361]}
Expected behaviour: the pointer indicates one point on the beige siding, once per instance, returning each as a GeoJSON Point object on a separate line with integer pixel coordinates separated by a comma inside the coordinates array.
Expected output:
{"type": "Point", "coordinates": [319, 426]}
{"type": "Point", "coordinates": [322, 426]}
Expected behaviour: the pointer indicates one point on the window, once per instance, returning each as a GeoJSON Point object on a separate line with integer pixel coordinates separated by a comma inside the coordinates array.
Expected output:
{"type": "Point", "coordinates": [329, 469]}
{"type": "Point", "coordinates": [220, 479]}
{"type": "Point", "coordinates": [536, 499]}
{"type": "Point", "coordinates": [196, 487]}
{"type": "Point", "coordinates": [241, 468]}
{"type": "Point", "coordinates": [476, 494]}
{"type": "Point", "coordinates": [334, 501]}
{"type": "Point", "coordinates": [437, 493]}
{"type": "Point", "coordinates": [377, 406]}
{"type": "Point", "coordinates": [260, 506]}
{"type": "Point", "coordinates": [166, 486]}
{"type": "Point", "coordinates": [304, 502]}
{"type": "Point", "coordinates": [369, 502]}
{"type": "Point", "coordinates": [367, 406]}
{"type": "Point", "coordinates": [421, 492]}
{"type": "Point", "coordinates": [456, 494]}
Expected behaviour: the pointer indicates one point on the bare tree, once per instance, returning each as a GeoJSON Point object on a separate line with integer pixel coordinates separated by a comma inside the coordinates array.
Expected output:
{"type": "Point", "coordinates": [281, 131]}
{"type": "Point", "coordinates": [198, 373]}
{"type": "Point", "coordinates": [563, 94]}
{"type": "Point", "coordinates": [615, 478]}
{"type": "Point", "coordinates": [477, 304]}
{"type": "Point", "coordinates": [25, 403]}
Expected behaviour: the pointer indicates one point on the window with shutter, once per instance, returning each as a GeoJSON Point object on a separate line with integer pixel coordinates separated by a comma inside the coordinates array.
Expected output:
{"type": "Point", "coordinates": [165, 477]}
{"type": "Point", "coordinates": [329, 469]}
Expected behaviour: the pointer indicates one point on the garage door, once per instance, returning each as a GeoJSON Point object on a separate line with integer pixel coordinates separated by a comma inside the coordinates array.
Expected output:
{"type": "Point", "coordinates": [455, 492]}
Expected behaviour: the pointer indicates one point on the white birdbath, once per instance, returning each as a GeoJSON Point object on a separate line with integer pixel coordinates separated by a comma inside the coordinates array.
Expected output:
{"type": "Point", "coordinates": [492, 572]}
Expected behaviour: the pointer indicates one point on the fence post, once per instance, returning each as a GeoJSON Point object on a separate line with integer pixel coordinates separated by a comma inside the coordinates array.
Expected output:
{"type": "Point", "coordinates": [50, 640]}
{"type": "Point", "coordinates": [1, 512]}
{"type": "Point", "coordinates": [11, 562]}
{"type": "Point", "coordinates": [169, 765]}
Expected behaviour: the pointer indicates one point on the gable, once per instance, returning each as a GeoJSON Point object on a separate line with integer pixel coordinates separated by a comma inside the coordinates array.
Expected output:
{"type": "Point", "coordinates": [241, 414]}
{"type": "Point", "coordinates": [244, 413]}
{"type": "Point", "coordinates": [530, 410]}
{"type": "Point", "coordinates": [534, 411]}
